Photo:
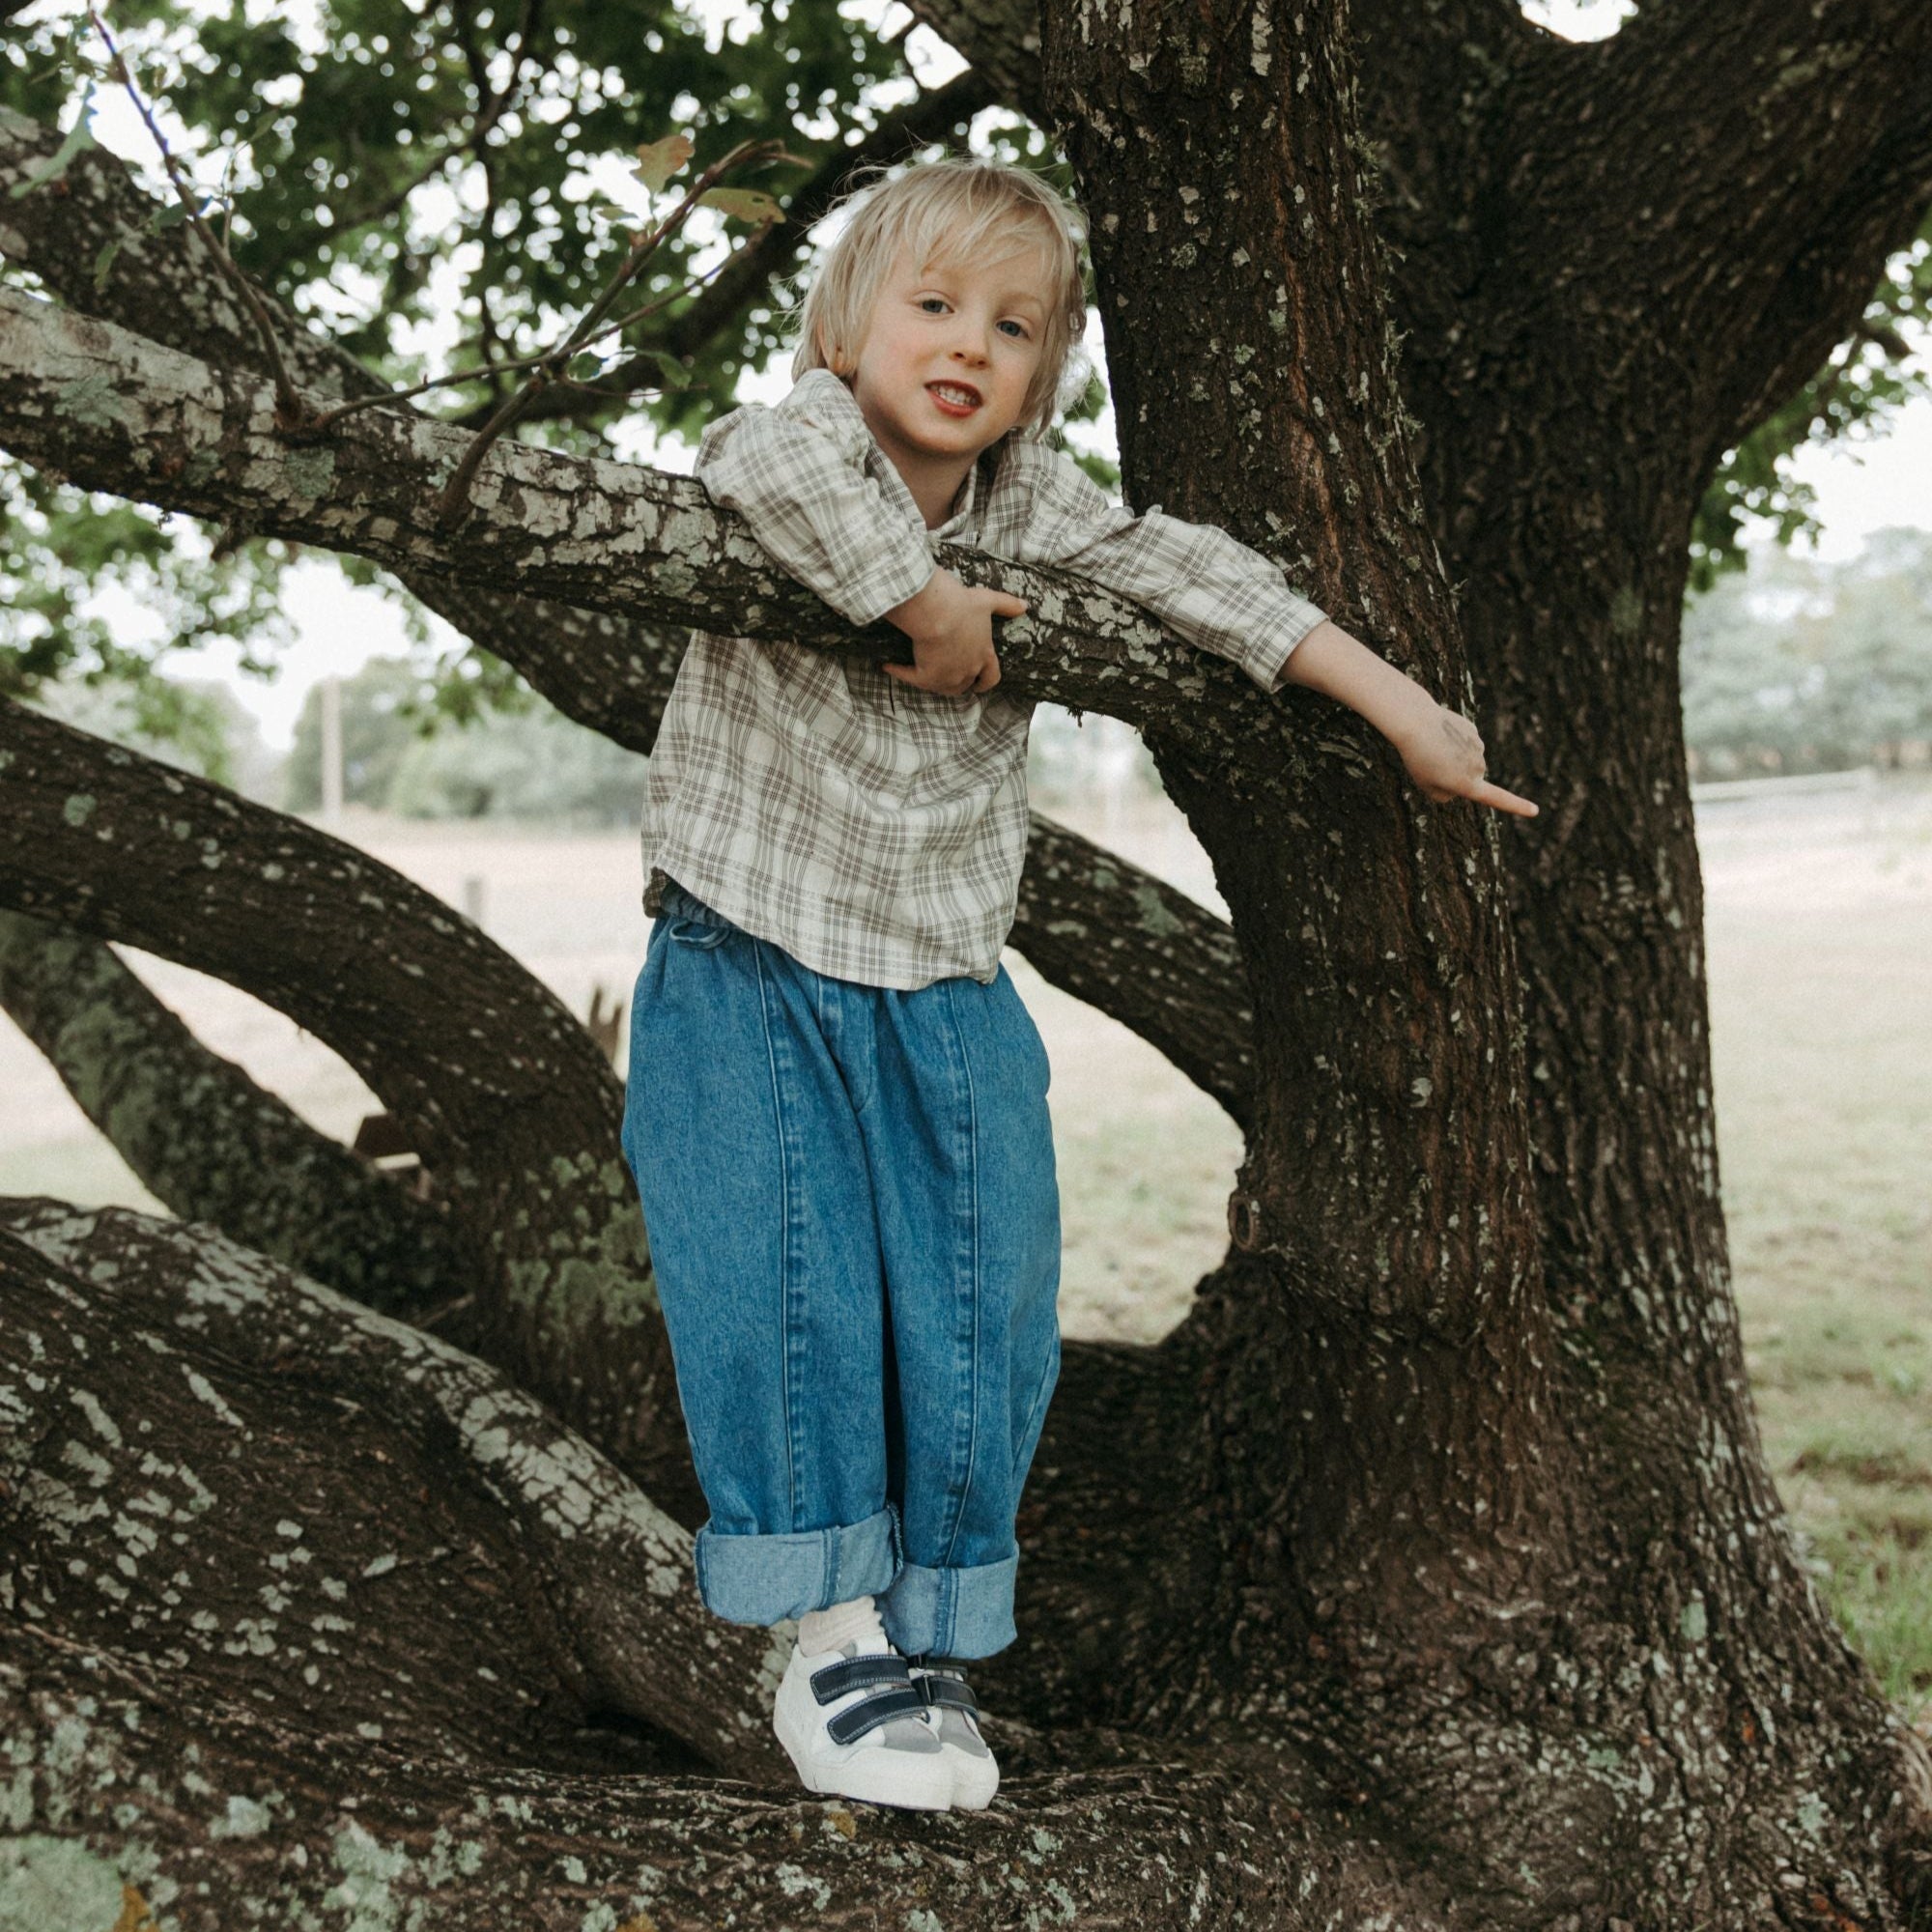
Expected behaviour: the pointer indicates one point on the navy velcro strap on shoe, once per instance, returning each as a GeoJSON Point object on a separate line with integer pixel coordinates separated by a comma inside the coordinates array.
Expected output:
{"type": "Point", "coordinates": [939, 1689]}
{"type": "Point", "coordinates": [871, 1712]}
{"type": "Point", "coordinates": [855, 1674]}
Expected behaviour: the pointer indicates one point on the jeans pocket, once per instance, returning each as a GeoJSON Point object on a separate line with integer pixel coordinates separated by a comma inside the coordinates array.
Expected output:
{"type": "Point", "coordinates": [698, 933]}
{"type": "Point", "coordinates": [1029, 1034]}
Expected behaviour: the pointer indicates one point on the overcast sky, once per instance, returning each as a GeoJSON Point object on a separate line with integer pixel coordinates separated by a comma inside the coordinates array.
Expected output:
{"type": "Point", "coordinates": [1860, 486]}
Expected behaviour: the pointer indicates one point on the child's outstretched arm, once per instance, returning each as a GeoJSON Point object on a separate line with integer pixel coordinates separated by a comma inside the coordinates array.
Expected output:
{"type": "Point", "coordinates": [1441, 748]}
{"type": "Point", "coordinates": [1223, 597]}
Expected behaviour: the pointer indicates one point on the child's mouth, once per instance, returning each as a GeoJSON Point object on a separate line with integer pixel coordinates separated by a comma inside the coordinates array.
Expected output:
{"type": "Point", "coordinates": [954, 399]}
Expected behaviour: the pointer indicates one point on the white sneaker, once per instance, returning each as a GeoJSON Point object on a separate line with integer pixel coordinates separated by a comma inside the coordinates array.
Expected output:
{"type": "Point", "coordinates": [955, 1713]}
{"type": "Point", "coordinates": [854, 1724]}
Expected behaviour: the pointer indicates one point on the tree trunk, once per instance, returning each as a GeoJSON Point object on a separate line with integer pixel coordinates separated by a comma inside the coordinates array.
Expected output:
{"type": "Point", "coordinates": [1499, 1547]}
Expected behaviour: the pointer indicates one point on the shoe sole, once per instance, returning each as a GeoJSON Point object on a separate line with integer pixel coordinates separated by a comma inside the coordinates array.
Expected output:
{"type": "Point", "coordinates": [897, 1778]}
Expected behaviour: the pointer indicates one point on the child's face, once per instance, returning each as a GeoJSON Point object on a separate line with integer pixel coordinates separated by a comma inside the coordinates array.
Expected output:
{"type": "Point", "coordinates": [950, 353]}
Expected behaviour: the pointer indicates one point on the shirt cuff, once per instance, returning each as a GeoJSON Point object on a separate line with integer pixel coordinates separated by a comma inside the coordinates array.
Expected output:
{"type": "Point", "coordinates": [884, 587]}
{"type": "Point", "coordinates": [1266, 656]}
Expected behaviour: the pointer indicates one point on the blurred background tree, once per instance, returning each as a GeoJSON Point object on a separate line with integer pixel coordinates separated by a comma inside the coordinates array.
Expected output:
{"type": "Point", "coordinates": [1794, 666]}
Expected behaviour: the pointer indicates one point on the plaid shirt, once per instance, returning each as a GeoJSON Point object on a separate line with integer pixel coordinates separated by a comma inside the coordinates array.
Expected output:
{"type": "Point", "coordinates": [876, 830]}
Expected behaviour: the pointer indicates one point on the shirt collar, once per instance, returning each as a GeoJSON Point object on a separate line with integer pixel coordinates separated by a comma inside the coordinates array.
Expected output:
{"type": "Point", "coordinates": [963, 516]}
{"type": "Point", "coordinates": [965, 507]}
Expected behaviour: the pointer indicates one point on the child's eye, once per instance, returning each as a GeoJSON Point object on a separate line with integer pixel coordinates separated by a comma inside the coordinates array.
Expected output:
{"type": "Point", "coordinates": [1019, 330]}
{"type": "Point", "coordinates": [932, 304]}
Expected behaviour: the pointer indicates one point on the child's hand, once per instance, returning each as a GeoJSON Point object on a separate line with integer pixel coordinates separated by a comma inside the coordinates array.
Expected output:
{"type": "Point", "coordinates": [1443, 752]}
{"type": "Point", "coordinates": [950, 625]}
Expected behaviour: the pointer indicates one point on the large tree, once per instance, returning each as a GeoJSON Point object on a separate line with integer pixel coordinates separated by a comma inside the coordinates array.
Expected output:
{"type": "Point", "coordinates": [1429, 1574]}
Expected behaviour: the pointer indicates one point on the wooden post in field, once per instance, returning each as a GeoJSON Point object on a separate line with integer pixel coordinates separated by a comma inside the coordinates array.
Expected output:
{"type": "Point", "coordinates": [332, 749]}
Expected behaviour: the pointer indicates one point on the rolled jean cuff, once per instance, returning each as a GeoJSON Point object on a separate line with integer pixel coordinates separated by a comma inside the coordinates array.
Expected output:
{"type": "Point", "coordinates": [764, 1579]}
{"type": "Point", "coordinates": [952, 1612]}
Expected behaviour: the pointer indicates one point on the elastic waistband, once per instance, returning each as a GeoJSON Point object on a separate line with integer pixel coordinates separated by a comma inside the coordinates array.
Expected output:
{"type": "Point", "coordinates": [678, 903]}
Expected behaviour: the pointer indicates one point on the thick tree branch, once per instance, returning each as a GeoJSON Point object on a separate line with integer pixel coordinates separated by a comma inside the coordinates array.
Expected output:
{"type": "Point", "coordinates": [513, 1108]}
{"type": "Point", "coordinates": [112, 410]}
{"type": "Point", "coordinates": [209, 1142]}
{"type": "Point", "coordinates": [87, 236]}
{"type": "Point", "coordinates": [1771, 154]}
{"type": "Point", "coordinates": [405, 1479]}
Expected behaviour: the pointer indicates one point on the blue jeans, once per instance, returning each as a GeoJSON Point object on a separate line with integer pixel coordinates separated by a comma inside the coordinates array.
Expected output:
{"type": "Point", "coordinates": [853, 1223]}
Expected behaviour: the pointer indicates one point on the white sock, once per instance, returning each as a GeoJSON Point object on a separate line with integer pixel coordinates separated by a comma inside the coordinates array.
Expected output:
{"type": "Point", "coordinates": [844, 1627]}
{"type": "Point", "coordinates": [820, 1631]}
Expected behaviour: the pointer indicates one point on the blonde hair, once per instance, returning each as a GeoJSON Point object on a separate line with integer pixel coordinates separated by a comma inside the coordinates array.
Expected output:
{"type": "Point", "coordinates": [942, 211]}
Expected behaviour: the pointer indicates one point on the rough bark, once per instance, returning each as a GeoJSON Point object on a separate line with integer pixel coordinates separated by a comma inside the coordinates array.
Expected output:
{"type": "Point", "coordinates": [1617, 1519]}
{"type": "Point", "coordinates": [212, 1144]}
{"type": "Point", "coordinates": [306, 1612]}
{"type": "Point", "coordinates": [1578, 383]}
{"type": "Point", "coordinates": [244, 1481]}
{"type": "Point", "coordinates": [342, 1836]}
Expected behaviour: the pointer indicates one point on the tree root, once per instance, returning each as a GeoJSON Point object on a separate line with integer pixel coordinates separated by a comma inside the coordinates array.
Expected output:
{"type": "Point", "coordinates": [251, 1482]}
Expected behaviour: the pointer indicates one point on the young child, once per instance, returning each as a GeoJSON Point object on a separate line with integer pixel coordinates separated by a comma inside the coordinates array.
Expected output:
{"type": "Point", "coordinates": [837, 1116]}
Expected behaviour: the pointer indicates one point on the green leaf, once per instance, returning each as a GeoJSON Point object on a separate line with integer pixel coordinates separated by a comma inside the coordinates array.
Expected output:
{"type": "Point", "coordinates": [79, 139]}
{"type": "Point", "coordinates": [742, 204]}
{"type": "Point", "coordinates": [659, 160]}
{"type": "Point", "coordinates": [104, 262]}
{"type": "Point", "coordinates": [675, 375]}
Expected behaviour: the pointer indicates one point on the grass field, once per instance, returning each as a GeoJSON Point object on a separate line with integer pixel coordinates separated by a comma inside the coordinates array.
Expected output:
{"type": "Point", "coordinates": [1820, 929]}
{"type": "Point", "coordinates": [1820, 947]}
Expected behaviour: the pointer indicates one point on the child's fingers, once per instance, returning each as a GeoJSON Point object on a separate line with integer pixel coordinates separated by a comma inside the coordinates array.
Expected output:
{"type": "Point", "coordinates": [1006, 605]}
{"type": "Point", "coordinates": [1485, 793]}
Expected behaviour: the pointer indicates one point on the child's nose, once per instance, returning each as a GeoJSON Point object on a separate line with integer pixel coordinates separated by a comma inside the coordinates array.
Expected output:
{"type": "Point", "coordinates": [972, 341]}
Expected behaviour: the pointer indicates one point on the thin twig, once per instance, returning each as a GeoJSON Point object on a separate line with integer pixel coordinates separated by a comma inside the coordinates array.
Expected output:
{"type": "Point", "coordinates": [290, 411]}
{"type": "Point", "coordinates": [329, 418]}
{"type": "Point", "coordinates": [452, 506]}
